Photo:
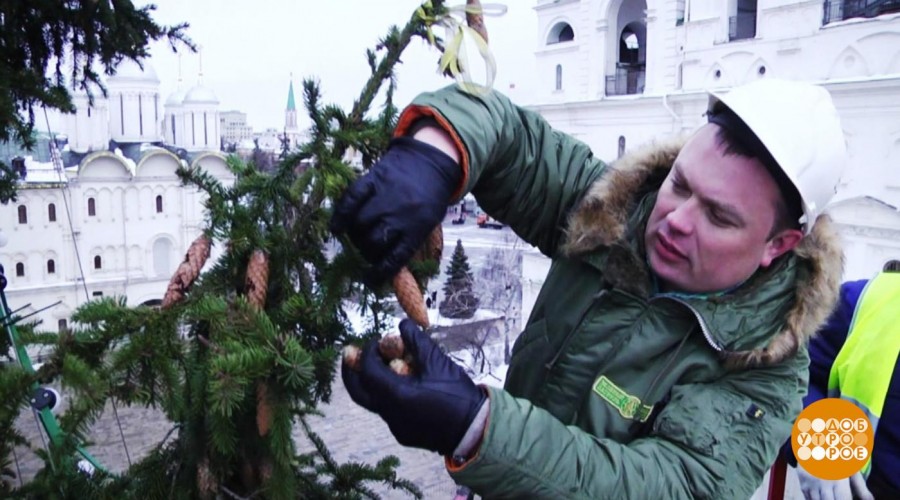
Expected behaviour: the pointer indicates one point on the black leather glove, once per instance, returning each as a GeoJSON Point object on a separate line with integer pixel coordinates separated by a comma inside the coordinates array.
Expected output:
{"type": "Point", "coordinates": [389, 212]}
{"type": "Point", "coordinates": [432, 407]}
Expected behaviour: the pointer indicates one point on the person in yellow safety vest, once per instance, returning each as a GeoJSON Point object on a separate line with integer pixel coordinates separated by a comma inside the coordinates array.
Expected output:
{"type": "Point", "coordinates": [855, 357]}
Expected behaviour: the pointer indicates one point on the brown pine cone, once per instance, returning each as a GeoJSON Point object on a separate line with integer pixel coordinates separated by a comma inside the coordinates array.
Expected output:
{"type": "Point", "coordinates": [187, 271]}
{"type": "Point", "coordinates": [410, 297]}
{"type": "Point", "coordinates": [391, 347]}
{"type": "Point", "coordinates": [206, 483]}
{"type": "Point", "coordinates": [257, 280]}
{"type": "Point", "coordinates": [476, 21]}
{"type": "Point", "coordinates": [352, 356]}
{"type": "Point", "coordinates": [433, 247]}
{"type": "Point", "coordinates": [263, 409]}
{"type": "Point", "coordinates": [400, 367]}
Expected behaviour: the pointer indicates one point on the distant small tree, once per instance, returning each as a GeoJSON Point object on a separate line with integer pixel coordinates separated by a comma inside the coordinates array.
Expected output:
{"type": "Point", "coordinates": [260, 159]}
{"type": "Point", "coordinates": [460, 301]}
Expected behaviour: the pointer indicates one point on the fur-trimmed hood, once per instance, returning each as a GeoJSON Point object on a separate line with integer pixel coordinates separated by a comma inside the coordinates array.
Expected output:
{"type": "Point", "coordinates": [601, 220]}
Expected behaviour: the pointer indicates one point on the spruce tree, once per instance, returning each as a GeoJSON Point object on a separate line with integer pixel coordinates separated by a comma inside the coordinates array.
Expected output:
{"type": "Point", "coordinates": [239, 355]}
{"type": "Point", "coordinates": [76, 38]}
{"type": "Point", "coordinates": [460, 301]}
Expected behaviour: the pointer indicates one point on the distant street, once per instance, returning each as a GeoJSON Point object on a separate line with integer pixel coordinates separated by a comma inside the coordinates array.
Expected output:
{"type": "Point", "coordinates": [477, 243]}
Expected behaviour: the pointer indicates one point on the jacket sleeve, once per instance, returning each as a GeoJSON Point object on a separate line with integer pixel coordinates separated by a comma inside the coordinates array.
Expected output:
{"type": "Point", "coordinates": [711, 441]}
{"type": "Point", "coordinates": [520, 170]}
{"type": "Point", "coordinates": [825, 346]}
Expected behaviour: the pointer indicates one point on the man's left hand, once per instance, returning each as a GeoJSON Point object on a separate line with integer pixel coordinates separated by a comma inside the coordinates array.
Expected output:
{"type": "Point", "coordinates": [432, 407]}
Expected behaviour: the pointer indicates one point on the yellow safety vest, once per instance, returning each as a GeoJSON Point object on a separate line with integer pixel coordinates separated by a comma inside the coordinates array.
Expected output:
{"type": "Point", "coordinates": [862, 371]}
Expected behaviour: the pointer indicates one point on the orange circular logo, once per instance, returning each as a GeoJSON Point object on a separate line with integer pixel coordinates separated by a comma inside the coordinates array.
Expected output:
{"type": "Point", "coordinates": [832, 439]}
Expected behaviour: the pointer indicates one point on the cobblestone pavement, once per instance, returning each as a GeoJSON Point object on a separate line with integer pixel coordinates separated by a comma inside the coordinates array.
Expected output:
{"type": "Point", "coordinates": [350, 432]}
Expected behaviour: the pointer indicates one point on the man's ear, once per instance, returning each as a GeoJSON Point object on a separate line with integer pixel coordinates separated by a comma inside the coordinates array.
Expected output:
{"type": "Point", "coordinates": [784, 241]}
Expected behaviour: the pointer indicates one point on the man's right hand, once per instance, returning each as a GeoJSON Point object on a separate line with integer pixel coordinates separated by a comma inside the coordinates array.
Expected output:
{"type": "Point", "coordinates": [389, 212]}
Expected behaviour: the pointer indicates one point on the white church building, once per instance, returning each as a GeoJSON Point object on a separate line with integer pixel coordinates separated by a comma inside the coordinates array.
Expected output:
{"type": "Point", "coordinates": [110, 216]}
{"type": "Point", "coordinates": [619, 73]}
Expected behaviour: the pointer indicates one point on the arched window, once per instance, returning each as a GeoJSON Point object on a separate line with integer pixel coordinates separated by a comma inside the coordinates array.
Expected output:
{"type": "Point", "coordinates": [561, 32]}
{"type": "Point", "coordinates": [92, 207]}
{"type": "Point", "coordinates": [162, 250]}
{"type": "Point", "coordinates": [621, 145]}
{"type": "Point", "coordinates": [559, 77]}
{"type": "Point", "coordinates": [51, 267]}
{"type": "Point", "coordinates": [62, 325]}
{"type": "Point", "coordinates": [23, 214]}
{"type": "Point", "coordinates": [159, 205]}
{"type": "Point", "coordinates": [629, 47]}
{"type": "Point", "coordinates": [98, 262]}
{"type": "Point", "coordinates": [20, 269]}
{"type": "Point", "coordinates": [51, 212]}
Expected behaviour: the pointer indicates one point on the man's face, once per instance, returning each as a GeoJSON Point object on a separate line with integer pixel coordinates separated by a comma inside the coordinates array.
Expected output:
{"type": "Point", "coordinates": [710, 227]}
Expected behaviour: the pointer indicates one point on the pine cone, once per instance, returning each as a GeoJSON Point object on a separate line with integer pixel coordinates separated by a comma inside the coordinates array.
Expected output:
{"type": "Point", "coordinates": [410, 297]}
{"type": "Point", "coordinates": [476, 21]}
{"type": "Point", "coordinates": [206, 483]}
{"type": "Point", "coordinates": [436, 243]}
{"type": "Point", "coordinates": [353, 357]}
{"type": "Point", "coordinates": [433, 247]}
{"type": "Point", "coordinates": [263, 409]}
{"type": "Point", "coordinates": [391, 347]}
{"type": "Point", "coordinates": [257, 280]}
{"type": "Point", "coordinates": [187, 271]}
{"type": "Point", "coordinates": [400, 367]}
{"type": "Point", "coordinates": [265, 470]}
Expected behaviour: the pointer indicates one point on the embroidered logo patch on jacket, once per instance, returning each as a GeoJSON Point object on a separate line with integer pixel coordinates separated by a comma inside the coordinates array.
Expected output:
{"type": "Point", "coordinates": [629, 406]}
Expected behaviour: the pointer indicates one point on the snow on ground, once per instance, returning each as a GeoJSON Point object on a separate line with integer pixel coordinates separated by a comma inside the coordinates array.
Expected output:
{"type": "Point", "coordinates": [494, 368]}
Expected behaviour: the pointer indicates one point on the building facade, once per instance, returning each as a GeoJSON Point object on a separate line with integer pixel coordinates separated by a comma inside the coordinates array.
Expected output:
{"type": "Point", "coordinates": [234, 128]}
{"type": "Point", "coordinates": [619, 73]}
{"type": "Point", "coordinates": [108, 214]}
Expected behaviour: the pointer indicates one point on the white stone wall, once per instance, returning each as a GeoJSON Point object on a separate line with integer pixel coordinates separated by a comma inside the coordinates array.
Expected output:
{"type": "Point", "coordinates": [857, 60]}
{"type": "Point", "coordinates": [88, 127]}
{"type": "Point", "coordinates": [201, 127]}
{"type": "Point", "coordinates": [139, 247]}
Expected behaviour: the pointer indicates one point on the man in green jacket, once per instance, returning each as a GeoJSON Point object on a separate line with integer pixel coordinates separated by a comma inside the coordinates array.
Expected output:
{"type": "Point", "coordinates": [665, 356]}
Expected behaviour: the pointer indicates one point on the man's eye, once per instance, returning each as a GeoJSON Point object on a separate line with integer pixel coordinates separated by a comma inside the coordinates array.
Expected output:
{"type": "Point", "coordinates": [718, 220]}
{"type": "Point", "coordinates": [679, 188]}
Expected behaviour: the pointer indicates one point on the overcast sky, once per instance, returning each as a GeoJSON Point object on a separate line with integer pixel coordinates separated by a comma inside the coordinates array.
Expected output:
{"type": "Point", "coordinates": [251, 48]}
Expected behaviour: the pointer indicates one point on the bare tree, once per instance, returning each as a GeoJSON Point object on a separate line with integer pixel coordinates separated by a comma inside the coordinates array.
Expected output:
{"type": "Point", "coordinates": [500, 286]}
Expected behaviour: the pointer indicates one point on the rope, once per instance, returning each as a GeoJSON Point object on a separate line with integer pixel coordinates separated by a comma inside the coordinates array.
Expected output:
{"type": "Point", "coordinates": [18, 471]}
{"type": "Point", "coordinates": [64, 186]}
{"type": "Point", "coordinates": [37, 424]}
{"type": "Point", "coordinates": [121, 433]}
{"type": "Point", "coordinates": [57, 164]}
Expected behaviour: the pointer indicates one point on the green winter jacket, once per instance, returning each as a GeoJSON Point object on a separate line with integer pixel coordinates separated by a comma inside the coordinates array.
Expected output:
{"type": "Point", "coordinates": [615, 391]}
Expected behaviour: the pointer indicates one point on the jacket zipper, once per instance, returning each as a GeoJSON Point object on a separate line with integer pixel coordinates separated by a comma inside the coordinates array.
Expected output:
{"type": "Point", "coordinates": [703, 326]}
{"type": "Point", "coordinates": [550, 364]}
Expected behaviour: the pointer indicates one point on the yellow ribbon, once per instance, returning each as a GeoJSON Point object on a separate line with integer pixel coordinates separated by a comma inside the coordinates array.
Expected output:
{"type": "Point", "coordinates": [454, 58]}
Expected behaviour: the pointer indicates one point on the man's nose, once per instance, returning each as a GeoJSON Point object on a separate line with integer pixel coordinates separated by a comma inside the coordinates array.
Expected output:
{"type": "Point", "coordinates": [681, 219]}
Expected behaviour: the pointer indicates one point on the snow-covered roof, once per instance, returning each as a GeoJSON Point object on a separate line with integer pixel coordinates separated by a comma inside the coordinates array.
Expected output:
{"type": "Point", "coordinates": [175, 98]}
{"type": "Point", "coordinates": [41, 173]}
{"type": "Point", "coordinates": [130, 70]}
{"type": "Point", "coordinates": [200, 94]}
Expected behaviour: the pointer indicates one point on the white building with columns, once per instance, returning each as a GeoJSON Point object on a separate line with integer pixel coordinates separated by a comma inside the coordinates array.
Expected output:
{"type": "Point", "coordinates": [111, 216]}
{"type": "Point", "coordinates": [619, 73]}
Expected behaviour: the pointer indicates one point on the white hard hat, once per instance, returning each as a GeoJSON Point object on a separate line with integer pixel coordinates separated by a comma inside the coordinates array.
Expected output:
{"type": "Point", "coordinates": [799, 126]}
